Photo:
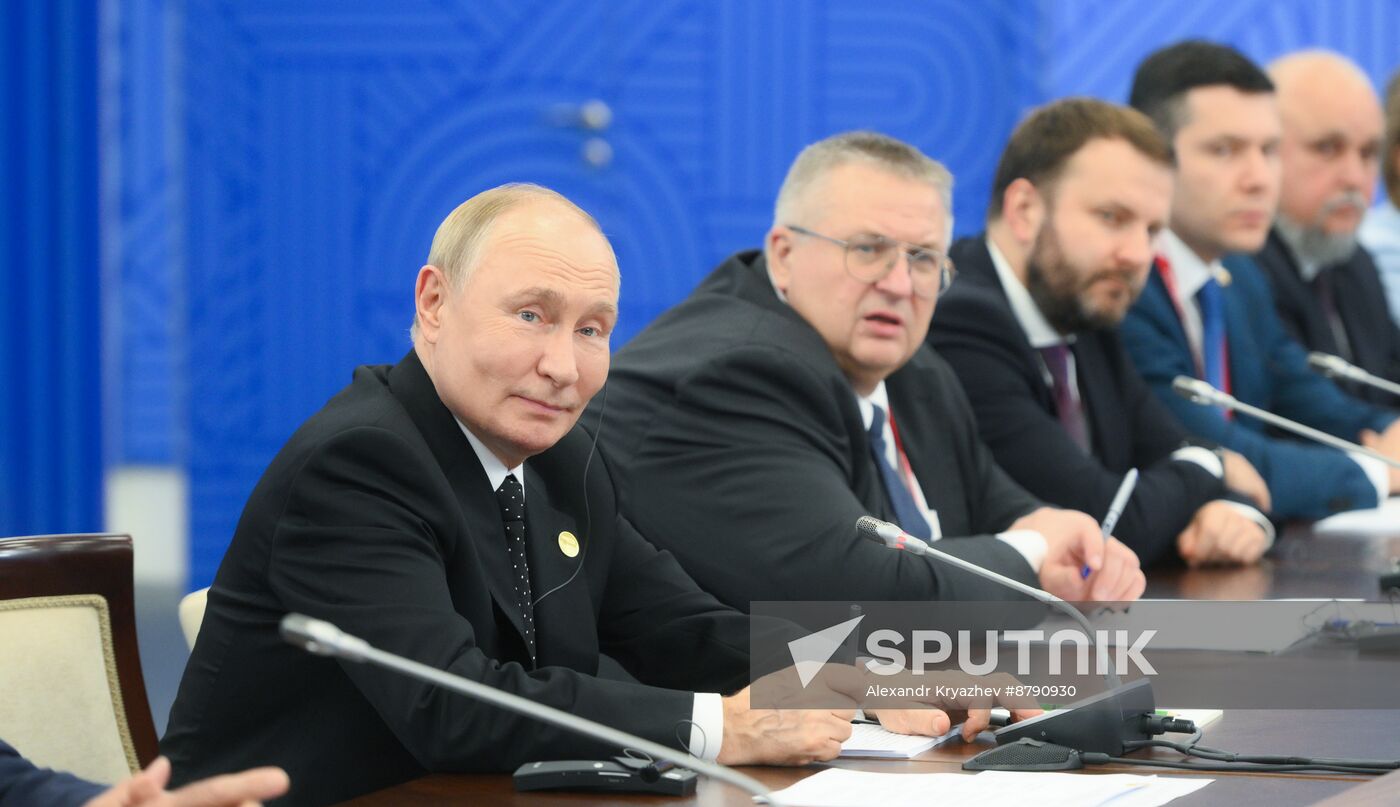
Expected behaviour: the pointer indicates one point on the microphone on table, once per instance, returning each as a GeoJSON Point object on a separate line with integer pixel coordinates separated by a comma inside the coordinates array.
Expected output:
{"type": "Point", "coordinates": [1338, 367]}
{"type": "Point", "coordinates": [1105, 722]}
{"type": "Point", "coordinates": [1198, 391]}
{"type": "Point", "coordinates": [324, 639]}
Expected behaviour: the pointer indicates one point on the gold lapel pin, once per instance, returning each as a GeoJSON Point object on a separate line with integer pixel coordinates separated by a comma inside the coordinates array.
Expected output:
{"type": "Point", "coordinates": [568, 544]}
{"type": "Point", "coordinates": [1222, 276]}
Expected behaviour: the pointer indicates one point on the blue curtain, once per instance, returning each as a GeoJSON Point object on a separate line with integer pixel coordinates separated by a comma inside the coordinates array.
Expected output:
{"type": "Point", "coordinates": [50, 409]}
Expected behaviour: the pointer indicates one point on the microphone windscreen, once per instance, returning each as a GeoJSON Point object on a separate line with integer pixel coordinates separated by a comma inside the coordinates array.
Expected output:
{"type": "Point", "coordinates": [869, 527]}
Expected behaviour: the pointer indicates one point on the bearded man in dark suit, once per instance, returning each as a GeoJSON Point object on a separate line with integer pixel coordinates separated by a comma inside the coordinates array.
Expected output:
{"type": "Point", "coordinates": [1031, 328]}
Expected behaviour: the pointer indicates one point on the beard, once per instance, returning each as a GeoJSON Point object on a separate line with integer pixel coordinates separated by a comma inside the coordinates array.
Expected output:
{"type": "Point", "coordinates": [1312, 243]}
{"type": "Point", "coordinates": [1058, 288]}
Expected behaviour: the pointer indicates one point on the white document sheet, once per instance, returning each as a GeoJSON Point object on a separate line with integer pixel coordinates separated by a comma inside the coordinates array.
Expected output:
{"type": "Point", "coordinates": [842, 788]}
{"type": "Point", "coordinates": [1383, 520]}
{"type": "Point", "coordinates": [876, 742]}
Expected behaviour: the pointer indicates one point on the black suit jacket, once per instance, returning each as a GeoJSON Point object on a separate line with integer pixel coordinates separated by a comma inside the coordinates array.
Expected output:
{"type": "Point", "coordinates": [739, 446]}
{"type": "Point", "coordinates": [975, 330]}
{"type": "Point", "coordinates": [378, 516]}
{"type": "Point", "coordinates": [1361, 305]}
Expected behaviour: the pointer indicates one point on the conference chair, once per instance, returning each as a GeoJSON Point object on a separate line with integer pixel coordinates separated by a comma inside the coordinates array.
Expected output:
{"type": "Point", "coordinates": [72, 696]}
{"type": "Point", "coordinates": [192, 607]}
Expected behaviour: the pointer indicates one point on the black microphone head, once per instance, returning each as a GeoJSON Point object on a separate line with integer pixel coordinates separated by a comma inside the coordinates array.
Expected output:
{"type": "Point", "coordinates": [1026, 755]}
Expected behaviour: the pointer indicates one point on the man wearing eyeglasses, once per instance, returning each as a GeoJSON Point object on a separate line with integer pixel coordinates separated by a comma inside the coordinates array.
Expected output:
{"type": "Point", "coordinates": [751, 425]}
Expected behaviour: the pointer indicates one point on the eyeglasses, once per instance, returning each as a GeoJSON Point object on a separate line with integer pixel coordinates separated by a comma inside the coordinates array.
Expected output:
{"type": "Point", "coordinates": [869, 258]}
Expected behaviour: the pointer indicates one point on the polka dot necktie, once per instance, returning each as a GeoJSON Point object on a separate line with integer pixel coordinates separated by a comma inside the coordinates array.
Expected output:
{"type": "Point", "coordinates": [511, 497]}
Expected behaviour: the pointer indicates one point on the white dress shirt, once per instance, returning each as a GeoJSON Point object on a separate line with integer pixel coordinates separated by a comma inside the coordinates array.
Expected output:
{"type": "Point", "coordinates": [1190, 274]}
{"type": "Point", "coordinates": [707, 712]}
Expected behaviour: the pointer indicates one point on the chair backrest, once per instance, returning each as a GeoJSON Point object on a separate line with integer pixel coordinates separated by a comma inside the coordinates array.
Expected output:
{"type": "Point", "coordinates": [72, 695]}
{"type": "Point", "coordinates": [192, 607]}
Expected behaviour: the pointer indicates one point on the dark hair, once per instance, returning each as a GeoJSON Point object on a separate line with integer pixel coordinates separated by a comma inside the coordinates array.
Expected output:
{"type": "Point", "coordinates": [1163, 79]}
{"type": "Point", "coordinates": [1045, 141]}
{"type": "Point", "coordinates": [1391, 154]}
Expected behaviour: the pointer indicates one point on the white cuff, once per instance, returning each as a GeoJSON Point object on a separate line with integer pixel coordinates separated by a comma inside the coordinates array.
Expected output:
{"type": "Point", "coordinates": [1203, 457]}
{"type": "Point", "coordinates": [1257, 517]}
{"type": "Point", "coordinates": [706, 726]}
{"type": "Point", "coordinates": [1378, 472]}
{"type": "Point", "coordinates": [1029, 543]}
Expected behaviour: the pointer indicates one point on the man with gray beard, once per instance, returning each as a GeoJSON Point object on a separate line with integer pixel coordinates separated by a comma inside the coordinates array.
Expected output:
{"type": "Point", "coordinates": [1326, 287]}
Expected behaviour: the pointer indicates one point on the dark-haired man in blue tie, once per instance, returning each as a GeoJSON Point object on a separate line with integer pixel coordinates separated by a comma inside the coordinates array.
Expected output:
{"type": "Point", "coordinates": [1206, 311]}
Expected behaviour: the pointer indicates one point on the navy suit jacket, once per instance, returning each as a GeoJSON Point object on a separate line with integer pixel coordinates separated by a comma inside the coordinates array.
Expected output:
{"type": "Point", "coordinates": [22, 784]}
{"type": "Point", "coordinates": [1268, 370]}
{"type": "Point", "coordinates": [1361, 306]}
{"type": "Point", "coordinates": [975, 330]}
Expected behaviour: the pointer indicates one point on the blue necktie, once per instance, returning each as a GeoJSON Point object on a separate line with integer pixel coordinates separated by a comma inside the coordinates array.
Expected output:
{"type": "Point", "coordinates": [906, 510]}
{"type": "Point", "coordinates": [1212, 300]}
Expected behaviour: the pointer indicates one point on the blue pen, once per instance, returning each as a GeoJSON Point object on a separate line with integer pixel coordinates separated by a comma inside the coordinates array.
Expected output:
{"type": "Point", "coordinates": [1115, 510]}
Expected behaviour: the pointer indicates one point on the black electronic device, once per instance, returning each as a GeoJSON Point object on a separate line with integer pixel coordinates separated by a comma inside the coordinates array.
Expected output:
{"type": "Point", "coordinates": [1026, 755]}
{"type": "Point", "coordinates": [1104, 723]}
{"type": "Point", "coordinates": [621, 775]}
{"type": "Point", "coordinates": [1390, 581]}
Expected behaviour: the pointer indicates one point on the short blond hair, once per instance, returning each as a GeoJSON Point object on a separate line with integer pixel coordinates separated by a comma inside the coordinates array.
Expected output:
{"type": "Point", "coordinates": [456, 247]}
{"type": "Point", "coordinates": [457, 242]}
{"type": "Point", "coordinates": [871, 148]}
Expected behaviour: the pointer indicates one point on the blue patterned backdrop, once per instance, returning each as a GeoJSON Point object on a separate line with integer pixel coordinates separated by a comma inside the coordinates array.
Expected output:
{"type": "Point", "coordinates": [282, 166]}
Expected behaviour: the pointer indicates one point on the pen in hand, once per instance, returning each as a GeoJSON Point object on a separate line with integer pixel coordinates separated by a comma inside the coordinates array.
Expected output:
{"type": "Point", "coordinates": [1115, 510]}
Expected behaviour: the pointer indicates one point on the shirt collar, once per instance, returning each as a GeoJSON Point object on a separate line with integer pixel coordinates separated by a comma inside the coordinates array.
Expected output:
{"type": "Point", "coordinates": [495, 469]}
{"type": "Point", "coordinates": [1188, 270]}
{"type": "Point", "coordinates": [878, 397]}
{"type": "Point", "coordinates": [1039, 332]}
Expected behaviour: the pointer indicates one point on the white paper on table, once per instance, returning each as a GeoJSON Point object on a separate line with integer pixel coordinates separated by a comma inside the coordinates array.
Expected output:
{"type": "Point", "coordinates": [1383, 520]}
{"type": "Point", "coordinates": [877, 742]}
{"type": "Point", "coordinates": [836, 787]}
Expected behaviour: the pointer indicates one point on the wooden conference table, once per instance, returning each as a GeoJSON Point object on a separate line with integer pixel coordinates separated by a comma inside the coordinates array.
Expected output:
{"type": "Point", "coordinates": [1302, 565]}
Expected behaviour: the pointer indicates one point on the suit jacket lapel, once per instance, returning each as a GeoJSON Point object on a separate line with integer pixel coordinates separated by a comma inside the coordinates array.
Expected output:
{"type": "Point", "coordinates": [410, 383]}
{"type": "Point", "coordinates": [558, 615]}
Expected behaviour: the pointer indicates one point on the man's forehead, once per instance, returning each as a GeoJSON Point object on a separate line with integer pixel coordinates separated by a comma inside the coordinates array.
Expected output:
{"type": "Point", "coordinates": [1222, 109]}
{"type": "Point", "coordinates": [546, 237]}
{"type": "Point", "coordinates": [859, 198]}
{"type": "Point", "coordinates": [1113, 170]}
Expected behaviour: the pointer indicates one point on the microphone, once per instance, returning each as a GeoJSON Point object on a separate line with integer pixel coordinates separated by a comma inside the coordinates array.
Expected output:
{"type": "Point", "coordinates": [1337, 367]}
{"type": "Point", "coordinates": [324, 639]}
{"type": "Point", "coordinates": [1198, 391]}
{"type": "Point", "coordinates": [883, 532]}
{"type": "Point", "coordinates": [1104, 722]}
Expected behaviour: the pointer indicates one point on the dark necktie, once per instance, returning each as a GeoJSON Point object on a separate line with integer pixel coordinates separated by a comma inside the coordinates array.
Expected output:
{"type": "Point", "coordinates": [511, 497]}
{"type": "Point", "coordinates": [1067, 405]}
{"type": "Point", "coordinates": [906, 510]}
{"type": "Point", "coordinates": [1327, 301]}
